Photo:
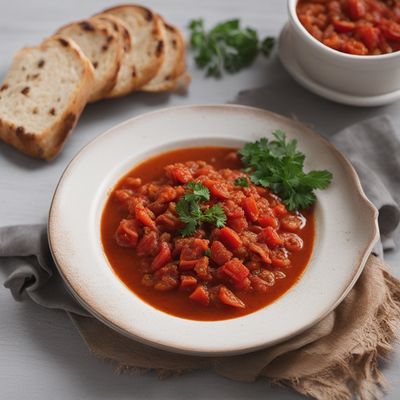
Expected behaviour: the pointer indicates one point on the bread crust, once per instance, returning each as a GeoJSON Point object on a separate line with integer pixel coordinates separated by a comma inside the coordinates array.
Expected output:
{"type": "Point", "coordinates": [110, 36]}
{"type": "Point", "coordinates": [48, 143]}
{"type": "Point", "coordinates": [131, 76]}
{"type": "Point", "coordinates": [170, 81]}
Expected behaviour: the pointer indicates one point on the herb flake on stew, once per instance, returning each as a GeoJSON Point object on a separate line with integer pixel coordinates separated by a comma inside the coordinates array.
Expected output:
{"type": "Point", "coordinates": [190, 211]}
{"type": "Point", "coordinates": [241, 181]}
{"type": "Point", "coordinates": [227, 46]}
{"type": "Point", "coordinates": [278, 165]}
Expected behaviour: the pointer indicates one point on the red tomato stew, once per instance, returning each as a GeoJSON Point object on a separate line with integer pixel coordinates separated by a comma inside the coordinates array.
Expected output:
{"type": "Point", "coordinates": [255, 256]}
{"type": "Point", "coordinates": [361, 27]}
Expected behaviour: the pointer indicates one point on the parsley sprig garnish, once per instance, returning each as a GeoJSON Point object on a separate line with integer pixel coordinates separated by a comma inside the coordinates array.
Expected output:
{"type": "Point", "coordinates": [226, 47]}
{"type": "Point", "coordinates": [241, 181]}
{"type": "Point", "coordinates": [192, 214]}
{"type": "Point", "coordinates": [278, 165]}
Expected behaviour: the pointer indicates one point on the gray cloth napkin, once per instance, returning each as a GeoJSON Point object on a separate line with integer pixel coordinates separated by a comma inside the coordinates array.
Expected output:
{"type": "Point", "coordinates": [372, 146]}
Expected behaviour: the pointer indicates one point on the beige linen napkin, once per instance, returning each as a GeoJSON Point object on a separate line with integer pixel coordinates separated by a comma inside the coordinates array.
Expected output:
{"type": "Point", "coordinates": [335, 359]}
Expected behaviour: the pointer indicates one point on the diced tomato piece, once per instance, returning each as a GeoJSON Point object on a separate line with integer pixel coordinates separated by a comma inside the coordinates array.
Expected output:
{"type": "Point", "coordinates": [232, 210]}
{"type": "Point", "coordinates": [168, 222]}
{"type": "Point", "coordinates": [280, 210]}
{"type": "Point", "coordinates": [148, 244]}
{"type": "Point", "coordinates": [200, 295]}
{"type": "Point", "coordinates": [187, 265]}
{"type": "Point", "coordinates": [228, 298]}
{"type": "Point", "coordinates": [270, 236]}
{"type": "Point", "coordinates": [390, 29]}
{"type": "Point", "coordinates": [244, 285]}
{"type": "Point", "coordinates": [263, 253]}
{"type": "Point", "coordinates": [291, 223]}
{"type": "Point", "coordinates": [353, 46]}
{"type": "Point", "coordinates": [166, 278]}
{"type": "Point", "coordinates": [259, 285]}
{"type": "Point", "coordinates": [280, 259]}
{"type": "Point", "coordinates": [219, 253]}
{"type": "Point", "coordinates": [162, 258]}
{"type": "Point", "coordinates": [127, 233]}
{"type": "Point", "coordinates": [178, 173]}
{"type": "Point", "coordinates": [191, 252]}
{"type": "Point", "coordinates": [188, 282]}
{"type": "Point", "coordinates": [292, 242]}
{"type": "Point", "coordinates": [166, 194]}
{"type": "Point", "coordinates": [202, 270]}
{"type": "Point", "coordinates": [218, 190]}
{"type": "Point", "coordinates": [235, 270]}
{"type": "Point", "coordinates": [230, 238]}
{"type": "Point", "coordinates": [133, 182]}
{"type": "Point", "coordinates": [249, 206]}
{"type": "Point", "coordinates": [123, 195]}
{"type": "Point", "coordinates": [333, 41]}
{"type": "Point", "coordinates": [343, 26]}
{"type": "Point", "coordinates": [268, 220]}
{"type": "Point", "coordinates": [369, 36]}
{"type": "Point", "coordinates": [237, 224]}
{"type": "Point", "coordinates": [357, 8]}
{"type": "Point", "coordinates": [142, 215]}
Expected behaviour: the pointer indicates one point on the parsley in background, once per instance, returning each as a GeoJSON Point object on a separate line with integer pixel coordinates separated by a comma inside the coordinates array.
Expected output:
{"type": "Point", "coordinates": [226, 47]}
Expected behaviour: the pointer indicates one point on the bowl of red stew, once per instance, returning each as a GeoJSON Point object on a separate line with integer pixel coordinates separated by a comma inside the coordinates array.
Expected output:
{"type": "Point", "coordinates": [349, 46]}
{"type": "Point", "coordinates": [203, 229]}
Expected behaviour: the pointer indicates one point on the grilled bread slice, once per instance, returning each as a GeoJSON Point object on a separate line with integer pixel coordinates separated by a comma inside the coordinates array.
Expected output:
{"type": "Point", "coordinates": [103, 45]}
{"type": "Point", "coordinates": [43, 95]}
{"type": "Point", "coordinates": [174, 62]}
{"type": "Point", "coordinates": [147, 54]}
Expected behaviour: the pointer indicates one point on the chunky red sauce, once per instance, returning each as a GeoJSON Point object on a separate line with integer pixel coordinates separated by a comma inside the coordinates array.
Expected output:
{"type": "Point", "coordinates": [218, 273]}
{"type": "Point", "coordinates": [361, 27]}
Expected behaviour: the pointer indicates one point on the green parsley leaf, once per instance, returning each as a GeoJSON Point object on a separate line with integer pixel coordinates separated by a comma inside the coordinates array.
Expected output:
{"type": "Point", "coordinates": [241, 181]}
{"type": "Point", "coordinates": [267, 45]}
{"type": "Point", "coordinates": [197, 192]}
{"type": "Point", "coordinates": [278, 165]}
{"type": "Point", "coordinates": [227, 46]}
{"type": "Point", "coordinates": [190, 212]}
{"type": "Point", "coordinates": [214, 215]}
{"type": "Point", "coordinates": [207, 253]}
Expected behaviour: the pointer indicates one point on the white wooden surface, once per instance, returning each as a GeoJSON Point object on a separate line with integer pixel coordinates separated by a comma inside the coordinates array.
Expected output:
{"type": "Point", "coordinates": [41, 355]}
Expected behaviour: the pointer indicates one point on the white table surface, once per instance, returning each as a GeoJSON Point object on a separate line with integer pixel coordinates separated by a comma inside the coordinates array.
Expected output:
{"type": "Point", "coordinates": [41, 354]}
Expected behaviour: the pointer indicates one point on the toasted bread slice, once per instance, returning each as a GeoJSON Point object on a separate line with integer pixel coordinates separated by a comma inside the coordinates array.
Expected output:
{"type": "Point", "coordinates": [43, 95]}
{"type": "Point", "coordinates": [147, 54]}
{"type": "Point", "coordinates": [174, 62]}
{"type": "Point", "coordinates": [103, 45]}
{"type": "Point", "coordinates": [120, 27]}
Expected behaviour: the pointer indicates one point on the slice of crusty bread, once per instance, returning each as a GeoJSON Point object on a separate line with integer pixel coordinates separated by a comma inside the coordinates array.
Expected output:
{"type": "Point", "coordinates": [103, 46]}
{"type": "Point", "coordinates": [174, 62]}
{"type": "Point", "coordinates": [120, 27]}
{"type": "Point", "coordinates": [147, 53]}
{"type": "Point", "coordinates": [43, 95]}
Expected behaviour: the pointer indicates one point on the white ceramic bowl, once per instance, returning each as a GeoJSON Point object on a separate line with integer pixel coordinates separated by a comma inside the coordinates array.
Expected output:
{"type": "Point", "coordinates": [345, 73]}
{"type": "Point", "coordinates": [346, 225]}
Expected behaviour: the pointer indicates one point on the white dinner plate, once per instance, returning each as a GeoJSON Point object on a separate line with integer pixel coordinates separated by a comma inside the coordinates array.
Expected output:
{"type": "Point", "coordinates": [346, 230]}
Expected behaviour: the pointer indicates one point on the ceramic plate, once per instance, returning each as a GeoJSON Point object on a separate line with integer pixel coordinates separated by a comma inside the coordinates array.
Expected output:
{"type": "Point", "coordinates": [346, 230]}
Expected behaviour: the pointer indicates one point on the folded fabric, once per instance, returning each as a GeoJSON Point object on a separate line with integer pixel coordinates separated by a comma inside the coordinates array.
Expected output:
{"type": "Point", "coordinates": [335, 359]}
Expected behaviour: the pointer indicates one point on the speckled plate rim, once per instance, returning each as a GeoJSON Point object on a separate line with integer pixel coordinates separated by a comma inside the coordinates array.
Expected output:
{"type": "Point", "coordinates": [288, 59]}
{"type": "Point", "coordinates": [185, 335]}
